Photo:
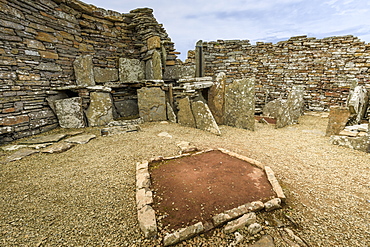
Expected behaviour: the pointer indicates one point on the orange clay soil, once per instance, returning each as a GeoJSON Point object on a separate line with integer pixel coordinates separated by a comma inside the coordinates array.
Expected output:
{"type": "Point", "coordinates": [194, 188]}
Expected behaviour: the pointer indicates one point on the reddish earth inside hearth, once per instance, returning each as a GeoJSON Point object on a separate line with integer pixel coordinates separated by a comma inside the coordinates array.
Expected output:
{"type": "Point", "coordinates": [194, 188]}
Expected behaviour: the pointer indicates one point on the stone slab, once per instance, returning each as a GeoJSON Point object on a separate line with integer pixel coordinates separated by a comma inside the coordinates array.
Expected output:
{"type": "Point", "coordinates": [147, 221]}
{"type": "Point", "coordinates": [183, 234]}
{"type": "Point", "coordinates": [152, 104]}
{"type": "Point", "coordinates": [44, 139]}
{"type": "Point", "coordinates": [272, 204]}
{"type": "Point", "coordinates": [83, 67]}
{"type": "Point", "coordinates": [265, 241]}
{"type": "Point", "coordinates": [100, 111]}
{"type": "Point", "coordinates": [144, 197]}
{"type": "Point", "coordinates": [103, 75]}
{"type": "Point", "coordinates": [338, 118]}
{"type": "Point", "coordinates": [58, 147]}
{"type": "Point", "coordinates": [171, 116]}
{"type": "Point", "coordinates": [20, 154]}
{"type": "Point", "coordinates": [203, 117]}
{"type": "Point", "coordinates": [216, 98]}
{"type": "Point", "coordinates": [185, 115]}
{"type": "Point", "coordinates": [70, 112]}
{"type": "Point", "coordinates": [274, 183]}
{"type": "Point", "coordinates": [131, 70]}
{"type": "Point", "coordinates": [245, 220]}
{"type": "Point", "coordinates": [290, 112]}
{"type": "Point", "coordinates": [80, 139]}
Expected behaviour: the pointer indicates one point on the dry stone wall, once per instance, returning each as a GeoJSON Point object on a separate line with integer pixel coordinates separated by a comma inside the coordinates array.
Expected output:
{"type": "Point", "coordinates": [325, 67]}
{"type": "Point", "coordinates": [41, 39]}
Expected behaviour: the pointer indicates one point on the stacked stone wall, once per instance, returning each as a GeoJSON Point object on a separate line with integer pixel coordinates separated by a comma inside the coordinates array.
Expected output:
{"type": "Point", "coordinates": [325, 67]}
{"type": "Point", "coordinates": [40, 39]}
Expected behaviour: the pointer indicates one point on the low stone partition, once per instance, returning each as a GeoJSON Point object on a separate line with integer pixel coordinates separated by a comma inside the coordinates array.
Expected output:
{"type": "Point", "coordinates": [231, 220]}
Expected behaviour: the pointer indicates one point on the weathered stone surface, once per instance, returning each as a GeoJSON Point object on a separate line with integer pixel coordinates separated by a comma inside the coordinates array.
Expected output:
{"type": "Point", "coordinates": [147, 222]}
{"type": "Point", "coordinates": [20, 154]}
{"type": "Point", "coordinates": [142, 179]}
{"type": "Point", "coordinates": [290, 112]}
{"type": "Point", "coordinates": [100, 111]}
{"type": "Point", "coordinates": [171, 116]}
{"type": "Point", "coordinates": [152, 104]}
{"type": "Point", "coordinates": [254, 228]}
{"type": "Point", "coordinates": [240, 104]}
{"type": "Point", "coordinates": [216, 98]}
{"type": "Point", "coordinates": [144, 197]}
{"type": "Point", "coordinates": [58, 147]}
{"type": "Point", "coordinates": [271, 109]}
{"type": "Point", "coordinates": [154, 42]}
{"type": "Point", "coordinates": [164, 134]}
{"type": "Point", "coordinates": [357, 103]}
{"type": "Point", "coordinates": [236, 212]}
{"type": "Point", "coordinates": [115, 130]}
{"type": "Point", "coordinates": [186, 147]}
{"type": "Point", "coordinates": [70, 113]}
{"type": "Point", "coordinates": [80, 139]}
{"type": "Point", "coordinates": [179, 71]}
{"type": "Point", "coordinates": [149, 70]}
{"type": "Point", "coordinates": [274, 183]}
{"type": "Point", "coordinates": [102, 75]}
{"type": "Point", "coordinates": [131, 70]}
{"type": "Point", "coordinates": [361, 143]}
{"type": "Point", "coordinates": [265, 241]}
{"type": "Point", "coordinates": [49, 67]}
{"type": "Point", "coordinates": [44, 139]}
{"type": "Point", "coordinates": [185, 115]}
{"type": "Point", "coordinates": [203, 118]}
{"type": "Point", "coordinates": [273, 204]}
{"type": "Point", "coordinates": [338, 118]}
{"type": "Point", "coordinates": [183, 234]}
{"type": "Point", "coordinates": [241, 222]}
{"type": "Point", "coordinates": [83, 67]}
{"type": "Point", "coordinates": [127, 108]}
{"type": "Point", "coordinates": [156, 66]}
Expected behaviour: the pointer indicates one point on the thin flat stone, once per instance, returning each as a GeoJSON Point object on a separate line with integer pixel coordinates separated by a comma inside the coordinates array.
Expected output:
{"type": "Point", "coordinates": [20, 154]}
{"type": "Point", "coordinates": [58, 147]}
{"type": "Point", "coordinates": [80, 139]}
{"type": "Point", "coordinates": [44, 139]}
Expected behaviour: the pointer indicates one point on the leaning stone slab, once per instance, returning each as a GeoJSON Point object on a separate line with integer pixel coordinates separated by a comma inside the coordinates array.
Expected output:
{"type": "Point", "coordinates": [100, 111]}
{"type": "Point", "coordinates": [131, 70]}
{"type": "Point", "coordinates": [216, 98]}
{"type": "Point", "coordinates": [58, 148]}
{"type": "Point", "coordinates": [203, 118]}
{"type": "Point", "coordinates": [236, 212]}
{"type": "Point", "coordinates": [274, 183]}
{"type": "Point", "coordinates": [152, 104]}
{"type": "Point", "coordinates": [44, 139]}
{"type": "Point", "coordinates": [245, 220]}
{"type": "Point", "coordinates": [240, 104]}
{"type": "Point", "coordinates": [273, 204]}
{"type": "Point", "coordinates": [70, 112]}
{"type": "Point", "coordinates": [185, 115]}
{"type": "Point", "coordinates": [271, 109]}
{"type": "Point", "coordinates": [20, 154]}
{"type": "Point", "coordinates": [183, 234]}
{"type": "Point", "coordinates": [80, 139]}
{"type": "Point", "coordinates": [83, 67]}
{"type": "Point", "coordinates": [338, 118]}
{"type": "Point", "coordinates": [171, 114]}
{"type": "Point", "coordinates": [147, 222]}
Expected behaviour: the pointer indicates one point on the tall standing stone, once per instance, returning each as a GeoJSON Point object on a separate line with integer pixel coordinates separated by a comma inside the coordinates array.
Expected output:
{"type": "Point", "coordinates": [240, 104]}
{"type": "Point", "coordinates": [338, 118]}
{"type": "Point", "coordinates": [131, 70]}
{"type": "Point", "coordinates": [357, 103]}
{"type": "Point", "coordinates": [216, 98]}
{"type": "Point", "coordinates": [204, 119]}
{"type": "Point", "coordinates": [100, 111]}
{"type": "Point", "coordinates": [153, 67]}
{"type": "Point", "coordinates": [83, 67]}
{"type": "Point", "coordinates": [171, 114]}
{"type": "Point", "coordinates": [70, 113]}
{"type": "Point", "coordinates": [185, 115]}
{"type": "Point", "coordinates": [152, 104]}
{"type": "Point", "coordinates": [290, 112]}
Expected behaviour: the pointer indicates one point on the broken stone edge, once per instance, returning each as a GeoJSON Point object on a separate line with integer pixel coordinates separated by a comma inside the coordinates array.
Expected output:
{"type": "Point", "coordinates": [151, 230]}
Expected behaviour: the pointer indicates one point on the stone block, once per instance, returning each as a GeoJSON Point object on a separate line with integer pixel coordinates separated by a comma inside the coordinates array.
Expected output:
{"type": "Point", "coordinates": [153, 67]}
{"type": "Point", "coordinates": [46, 37]}
{"type": "Point", "coordinates": [49, 67]}
{"type": "Point", "coordinates": [274, 183]}
{"type": "Point", "coordinates": [240, 104]}
{"type": "Point", "coordinates": [70, 112]}
{"type": "Point", "coordinates": [338, 118]}
{"type": "Point", "coordinates": [102, 75]}
{"type": "Point", "coordinates": [245, 220]}
{"type": "Point", "coordinates": [273, 204]}
{"type": "Point", "coordinates": [131, 70]}
{"type": "Point", "coordinates": [83, 67]}
{"type": "Point", "coordinates": [100, 111]}
{"type": "Point", "coordinates": [254, 228]}
{"type": "Point", "coordinates": [179, 71]}
{"type": "Point", "coordinates": [152, 104]}
{"type": "Point", "coordinates": [50, 55]}
{"type": "Point", "coordinates": [127, 108]}
{"type": "Point", "coordinates": [144, 197]}
{"type": "Point", "coordinates": [147, 222]}
{"type": "Point", "coordinates": [203, 118]}
{"type": "Point", "coordinates": [185, 115]}
{"type": "Point", "coordinates": [183, 234]}
{"type": "Point", "coordinates": [154, 42]}
{"type": "Point", "coordinates": [14, 120]}
{"type": "Point", "coordinates": [216, 98]}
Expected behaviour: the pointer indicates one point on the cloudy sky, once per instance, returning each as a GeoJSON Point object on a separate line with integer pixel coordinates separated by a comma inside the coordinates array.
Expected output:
{"type": "Point", "coordinates": [256, 20]}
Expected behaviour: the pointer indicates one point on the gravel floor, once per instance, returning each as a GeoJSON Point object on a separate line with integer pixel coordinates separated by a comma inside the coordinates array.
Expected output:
{"type": "Point", "coordinates": [86, 196]}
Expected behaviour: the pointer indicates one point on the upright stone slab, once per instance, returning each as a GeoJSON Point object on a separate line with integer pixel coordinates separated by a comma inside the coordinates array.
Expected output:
{"type": "Point", "coordinates": [290, 112]}
{"type": "Point", "coordinates": [131, 70]}
{"type": "Point", "coordinates": [357, 103]}
{"type": "Point", "coordinates": [70, 113]}
{"type": "Point", "coordinates": [83, 67]}
{"type": "Point", "coordinates": [152, 104]}
{"type": "Point", "coordinates": [103, 75]}
{"type": "Point", "coordinates": [153, 67]}
{"type": "Point", "coordinates": [216, 98]}
{"type": "Point", "coordinates": [127, 108]}
{"type": "Point", "coordinates": [338, 118]}
{"type": "Point", "coordinates": [185, 115]}
{"type": "Point", "coordinates": [203, 117]}
{"type": "Point", "coordinates": [171, 114]}
{"type": "Point", "coordinates": [100, 111]}
{"type": "Point", "coordinates": [179, 71]}
{"type": "Point", "coordinates": [240, 104]}
{"type": "Point", "coordinates": [271, 109]}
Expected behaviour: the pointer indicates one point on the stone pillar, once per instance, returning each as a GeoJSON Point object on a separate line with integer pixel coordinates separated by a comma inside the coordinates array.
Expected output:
{"type": "Point", "coordinates": [185, 115]}
{"type": "Point", "coordinates": [216, 98]}
{"type": "Point", "coordinates": [240, 104]}
{"type": "Point", "coordinates": [83, 67]}
{"type": "Point", "coordinates": [152, 104]}
{"type": "Point", "coordinates": [290, 112]}
{"type": "Point", "coordinates": [199, 59]}
{"type": "Point", "coordinates": [338, 118]}
{"type": "Point", "coordinates": [100, 111]}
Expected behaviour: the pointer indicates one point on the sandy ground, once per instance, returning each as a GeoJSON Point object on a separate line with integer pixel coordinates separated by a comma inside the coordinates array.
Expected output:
{"type": "Point", "coordinates": [86, 196]}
